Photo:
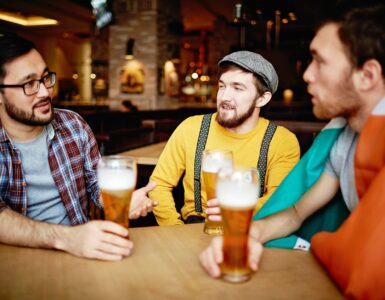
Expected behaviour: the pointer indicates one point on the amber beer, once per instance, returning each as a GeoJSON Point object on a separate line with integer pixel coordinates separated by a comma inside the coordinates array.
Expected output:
{"type": "Point", "coordinates": [212, 161]}
{"type": "Point", "coordinates": [237, 194]}
{"type": "Point", "coordinates": [116, 205]}
{"type": "Point", "coordinates": [117, 180]}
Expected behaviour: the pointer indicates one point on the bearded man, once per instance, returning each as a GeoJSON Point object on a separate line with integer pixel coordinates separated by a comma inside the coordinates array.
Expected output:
{"type": "Point", "coordinates": [246, 84]}
{"type": "Point", "coordinates": [48, 165]}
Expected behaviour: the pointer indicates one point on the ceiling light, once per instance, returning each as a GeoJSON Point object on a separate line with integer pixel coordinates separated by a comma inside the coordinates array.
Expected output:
{"type": "Point", "coordinates": [27, 20]}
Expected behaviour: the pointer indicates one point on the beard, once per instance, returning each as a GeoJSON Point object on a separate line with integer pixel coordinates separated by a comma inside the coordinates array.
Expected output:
{"type": "Point", "coordinates": [347, 99]}
{"type": "Point", "coordinates": [237, 119]}
{"type": "Point", "coordinates": [25, 117]}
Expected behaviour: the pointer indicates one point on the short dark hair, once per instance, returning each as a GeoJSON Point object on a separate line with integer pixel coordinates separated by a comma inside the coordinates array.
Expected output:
{"type": "Point", "coordinates": [363, 34]}
{"type": "Point", "coordinates": [361, 30]}
{"type": "Point", "coordinates": [12, 46]}
{"type": "Point", "coordinates": [258, 80]}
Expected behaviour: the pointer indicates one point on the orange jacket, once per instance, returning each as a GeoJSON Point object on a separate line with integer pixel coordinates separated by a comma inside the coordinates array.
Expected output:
{"type": "Point", "coordinates": [354, 255]}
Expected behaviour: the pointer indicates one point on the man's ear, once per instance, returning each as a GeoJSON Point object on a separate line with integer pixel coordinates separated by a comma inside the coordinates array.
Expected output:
{"type": "Point", "coordinates": [263, 99]}
{"type": "Point", "coordinates": [368, 76]}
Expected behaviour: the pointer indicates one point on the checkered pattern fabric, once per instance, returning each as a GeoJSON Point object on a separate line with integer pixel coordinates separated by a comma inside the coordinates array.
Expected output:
{"type": "Point", "coordinates": [72, 155]}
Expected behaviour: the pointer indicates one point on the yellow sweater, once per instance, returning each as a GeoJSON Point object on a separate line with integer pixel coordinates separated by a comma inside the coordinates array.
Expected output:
{"type": "Point", "coordinates": [179, 155]}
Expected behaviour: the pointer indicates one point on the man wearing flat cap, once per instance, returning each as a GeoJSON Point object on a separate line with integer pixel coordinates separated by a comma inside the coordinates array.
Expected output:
{"type": "Point", "coordinates": [246, 83]}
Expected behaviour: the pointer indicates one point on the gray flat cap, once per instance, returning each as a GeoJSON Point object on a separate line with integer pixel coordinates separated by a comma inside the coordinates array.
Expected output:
{"type": "Point", "coordinates": [254, 63]}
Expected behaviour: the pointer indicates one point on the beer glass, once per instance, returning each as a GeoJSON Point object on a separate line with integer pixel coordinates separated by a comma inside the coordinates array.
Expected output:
{"type": "Point", "coordinates": [212, 161]}
{"type": "Point", "coordinates": [117, 180]}
{"type": "Point", "coordinates": [237, 193]}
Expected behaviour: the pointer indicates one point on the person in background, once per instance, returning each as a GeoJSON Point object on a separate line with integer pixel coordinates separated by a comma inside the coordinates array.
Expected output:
{"type": "Point", "coordinates": [48, 162]}
{"type": "Point", "coordinates": [346, 78]}
{"type": "Point", "coordinates": [246, 83]}
{"type": "Point", "coordinates": [128, 106]}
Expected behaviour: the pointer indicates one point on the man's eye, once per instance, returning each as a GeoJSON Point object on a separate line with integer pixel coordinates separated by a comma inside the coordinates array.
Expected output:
{"type": "Point", "coordinates": [29, 84]}
{"type": "Point", "coordinates": [318, 60]}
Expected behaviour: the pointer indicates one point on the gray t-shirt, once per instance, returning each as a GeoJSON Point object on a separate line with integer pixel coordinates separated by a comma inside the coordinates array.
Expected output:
{"type": "Point", "coordinates": [341, 165]}
{"type": "Point", "coordinates": [44, 202]}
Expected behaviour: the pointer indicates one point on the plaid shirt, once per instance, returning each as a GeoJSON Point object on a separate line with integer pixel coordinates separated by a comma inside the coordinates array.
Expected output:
{"type": "Point", "coordinates": [72, 155]}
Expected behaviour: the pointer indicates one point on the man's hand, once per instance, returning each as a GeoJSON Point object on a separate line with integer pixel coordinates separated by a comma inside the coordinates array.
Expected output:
{"type": "Point", "coordinates": [212, 256]}
{"type": "Point", "coordinates": [213, 211]}
{"type": "Point", "coordinates": [102, 240]}
{"type": "Point", "coordinates": [140, 203]}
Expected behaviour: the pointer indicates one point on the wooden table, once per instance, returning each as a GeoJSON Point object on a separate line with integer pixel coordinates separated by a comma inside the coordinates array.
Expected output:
{"type": "Point", "coordinates": [164, 265]}
{"type": "Point", "coordinates": [147, 155]}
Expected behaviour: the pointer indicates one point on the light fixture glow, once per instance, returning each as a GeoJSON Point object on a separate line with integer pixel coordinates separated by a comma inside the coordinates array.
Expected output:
{"type": "Point", "coordinates": [27, 20]}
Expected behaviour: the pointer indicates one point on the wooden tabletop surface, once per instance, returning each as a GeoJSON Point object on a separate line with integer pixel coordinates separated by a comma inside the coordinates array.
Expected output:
{"type": "Point", "coordinates": [164, 265]}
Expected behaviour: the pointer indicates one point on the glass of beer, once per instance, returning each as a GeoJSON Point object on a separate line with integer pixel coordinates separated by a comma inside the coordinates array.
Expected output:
{"type": "Point", "coordinates": [212, 161]}
{"type": "Point", "coordinates": [117, 180]}
{"type": "Point", "coordinates": [237, 193]}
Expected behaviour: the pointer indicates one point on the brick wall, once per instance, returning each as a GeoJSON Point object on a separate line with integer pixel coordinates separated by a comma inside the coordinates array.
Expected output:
{"type": "Point", "coordinates": [150, 23]}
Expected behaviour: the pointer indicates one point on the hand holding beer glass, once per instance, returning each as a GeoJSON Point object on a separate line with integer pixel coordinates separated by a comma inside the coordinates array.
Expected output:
{"type": "Point", "coordinates": [117, 180]}
{"type": "Point", "coordinates": [237, 193]}
{"type": "Point", "coordinates": [212, 161]}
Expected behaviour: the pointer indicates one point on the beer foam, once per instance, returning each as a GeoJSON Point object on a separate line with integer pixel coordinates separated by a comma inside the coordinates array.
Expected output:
{"type": "Point", "coordinates": [212, 163]}
{"type": "Point", "coordinates": [237, 195]}
{"type": "Point", "coordinates": [116, 179]}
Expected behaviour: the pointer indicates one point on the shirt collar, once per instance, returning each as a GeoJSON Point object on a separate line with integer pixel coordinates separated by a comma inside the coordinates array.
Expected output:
{"type": "Point", "coordinates": [379, 109]}
{"type": "Point", "coordinates": [50, 130]}
{"type": "Point", "coordinates": [3, 134]}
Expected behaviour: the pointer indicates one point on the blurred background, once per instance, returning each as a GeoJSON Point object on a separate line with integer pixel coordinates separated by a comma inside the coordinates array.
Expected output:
{"type": "Point", "coordinates": [158, 52]}
{"type": "Point", "coordinates": [130, 65]}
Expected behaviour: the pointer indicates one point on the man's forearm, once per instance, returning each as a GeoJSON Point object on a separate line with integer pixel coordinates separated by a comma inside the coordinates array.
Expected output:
{"type": "Point", "coordinates": [289, 220]}
{"type": "Point", "coordinates": [165, 212]}
{"type": "Point", "coordinates": [15, 229]}
{"type": "Point", "coordinates": [276, 226]}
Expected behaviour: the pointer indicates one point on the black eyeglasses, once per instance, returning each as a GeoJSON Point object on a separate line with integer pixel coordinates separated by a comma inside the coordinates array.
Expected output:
{"type": "Point", "coordinates": [32, 87]}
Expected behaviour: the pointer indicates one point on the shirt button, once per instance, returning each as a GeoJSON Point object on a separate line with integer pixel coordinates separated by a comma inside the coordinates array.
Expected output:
{"type": "Point", "coordinates": [24, 184]}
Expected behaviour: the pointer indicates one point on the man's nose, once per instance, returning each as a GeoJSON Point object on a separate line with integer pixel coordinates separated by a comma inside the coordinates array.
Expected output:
{"type": "Point", "coordinates": [43, 91]}
{"type": "Point", "coordinates": [308, 75]}
{"type": "Point", "coordinates": [227, 93]}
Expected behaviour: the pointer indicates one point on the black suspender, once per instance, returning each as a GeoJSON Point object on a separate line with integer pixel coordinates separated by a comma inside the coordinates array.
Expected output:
{"type": "Point", "coordinates": [262, 160]}
{"type": "Point", "coordinates": [203, 133]}
{"type": "Point", "coordinates": [202, 139]}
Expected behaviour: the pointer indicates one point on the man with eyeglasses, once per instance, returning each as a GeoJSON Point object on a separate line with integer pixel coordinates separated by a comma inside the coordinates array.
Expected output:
{"type": "Point", "coordinates": [48, 161]}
